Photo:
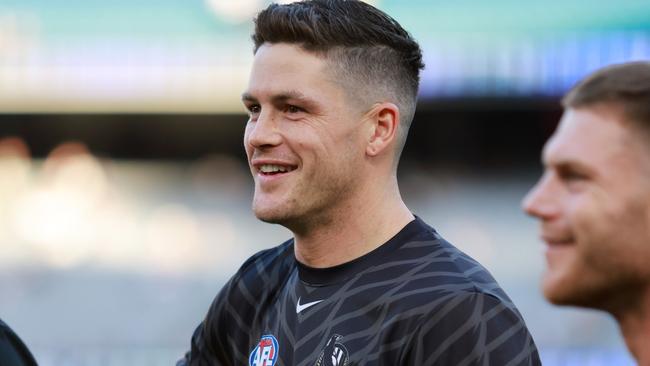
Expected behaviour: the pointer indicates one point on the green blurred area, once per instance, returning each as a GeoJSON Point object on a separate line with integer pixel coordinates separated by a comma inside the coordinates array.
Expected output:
{"type": "Point", "coordinates": [190, 18]}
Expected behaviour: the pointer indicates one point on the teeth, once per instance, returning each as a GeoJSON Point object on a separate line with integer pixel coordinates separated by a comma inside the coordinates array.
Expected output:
{"type": "Point", "coordinates": [269, 168]}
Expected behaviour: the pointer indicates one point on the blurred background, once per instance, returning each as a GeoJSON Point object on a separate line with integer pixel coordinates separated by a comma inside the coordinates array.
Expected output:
{"type": "Point", "coordinates": [125, 195]}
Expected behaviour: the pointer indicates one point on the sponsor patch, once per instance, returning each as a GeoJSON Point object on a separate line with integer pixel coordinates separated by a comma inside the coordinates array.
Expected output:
{"type": "Point", "coordinates": [265, 353]}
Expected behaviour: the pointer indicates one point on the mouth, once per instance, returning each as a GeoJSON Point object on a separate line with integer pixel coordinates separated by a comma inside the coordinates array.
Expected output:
{"type": "Point", "coordinates": [558, 248]}
{"type": "Point", "coordinates": [273, 169]}
{"type": "Point", "coordinates": [558, 242]}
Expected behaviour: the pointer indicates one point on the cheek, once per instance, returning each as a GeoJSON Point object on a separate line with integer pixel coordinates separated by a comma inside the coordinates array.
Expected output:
{"type": "Point", "coordinates": [247, 146]}
{"type": "Point", "coordinates": [353, 142]}
{"type": "Point", "coordinates": [327, 142]}
{"type": "Point", "coordinates": [587, 218]}
{"type": "Point", "coordinates": [629, 223]}
{"type": "Point", "coordinates": [321, 145]}
{"type": "Point", "coordinates": [600, 227]}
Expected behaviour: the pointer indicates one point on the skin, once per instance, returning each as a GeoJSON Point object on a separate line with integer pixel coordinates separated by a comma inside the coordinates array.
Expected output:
{"type": "Point", "coordinates": [593, 205]}
{"type": "Point", "coordinates": [339, 193]}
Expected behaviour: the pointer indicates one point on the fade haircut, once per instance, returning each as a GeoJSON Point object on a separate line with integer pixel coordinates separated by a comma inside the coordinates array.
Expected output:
{"type": "Point", "coordinates": [368, 52]}
{"type": "Point", "coordinates": [624, 85]}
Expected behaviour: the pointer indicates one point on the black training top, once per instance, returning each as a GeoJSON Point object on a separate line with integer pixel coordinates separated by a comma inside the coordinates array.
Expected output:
{"type": "Point", "coordinates": [416, 300]}
{"type": "Point", "coordinates": [13, 351]}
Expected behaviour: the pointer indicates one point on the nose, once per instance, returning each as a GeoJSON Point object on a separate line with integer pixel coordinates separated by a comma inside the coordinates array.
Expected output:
{"type": "Point", "coordinates": [541, 200]}
{"type": "Point", "coordinates": [264, 131]}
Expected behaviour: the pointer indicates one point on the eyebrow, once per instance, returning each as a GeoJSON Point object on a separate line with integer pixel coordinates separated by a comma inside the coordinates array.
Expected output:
{"type": "Point", "coordinates": [247, 97]}
{"type": "Point", "coordinates": [570, 164]}
{"type": "Point", "coordinates": [280, 98]}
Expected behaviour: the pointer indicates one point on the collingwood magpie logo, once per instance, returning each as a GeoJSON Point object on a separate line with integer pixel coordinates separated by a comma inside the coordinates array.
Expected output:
{"type": "Point", "coordinates": [334, 353]}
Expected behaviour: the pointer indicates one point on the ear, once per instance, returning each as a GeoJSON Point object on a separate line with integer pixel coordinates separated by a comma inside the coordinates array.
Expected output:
{"type": "Point", "coordinates": [383, 121]}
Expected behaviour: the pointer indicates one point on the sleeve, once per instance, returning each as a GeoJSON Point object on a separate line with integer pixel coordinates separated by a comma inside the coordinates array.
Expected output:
{"type": "Point", "coordinates": [208, 341]}
{"type": "Point", "coordinates": [13, 351]}
{"type": "Point", "coordinates": [472, 329]}
{"type": "Point", "coordinates": [222, 338]}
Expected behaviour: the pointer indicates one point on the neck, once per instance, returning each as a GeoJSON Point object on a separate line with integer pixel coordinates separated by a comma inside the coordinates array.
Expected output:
{"type": "Point", "coordinates": [353, 229]}
{"type": "Point", "coordinates": [634, 322]}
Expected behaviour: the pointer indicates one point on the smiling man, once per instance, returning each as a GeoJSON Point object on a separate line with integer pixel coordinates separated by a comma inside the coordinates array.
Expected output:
{"type": "Point", "coordinates": [593, 201]}
{"type": "Point", "coordinates": [363, 281]}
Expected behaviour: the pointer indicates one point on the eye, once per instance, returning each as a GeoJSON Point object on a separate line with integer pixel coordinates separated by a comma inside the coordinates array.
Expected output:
{"type": "Point", "coordinates": [289, 108]}
{"type": "Point", "coordinates": [253, 110]}
{"type": "Point", "coordinates": [574, 180]}
{"type": "Point", "coordinates": [572, 175]}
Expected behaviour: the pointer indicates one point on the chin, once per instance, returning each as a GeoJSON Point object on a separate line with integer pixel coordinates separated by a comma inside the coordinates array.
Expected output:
{"type": "Point", "coordinates": [272, 215]}
{"type": "Point", "coordinates": [558, 290]}
{"type": "Point", "coordinates": [573, 293]}
{"type": "Point", "coordinates": [551, 295]}
{"type": "Point", "coordinates": [267, 216]}
{"type": "Point", "coordinates": [556, 298]}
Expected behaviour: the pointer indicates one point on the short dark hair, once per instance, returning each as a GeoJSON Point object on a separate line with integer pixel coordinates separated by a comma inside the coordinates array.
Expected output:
{"type": "Point", "coordinates": [372, 55]}
{"type": "Point", "coordinates": [626, 85]}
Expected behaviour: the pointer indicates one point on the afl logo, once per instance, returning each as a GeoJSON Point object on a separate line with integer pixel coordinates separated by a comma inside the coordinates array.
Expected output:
{"type": "Point", "coordinates": [266, 352]}
{"type": "Point", "coordinates": [334, 353]}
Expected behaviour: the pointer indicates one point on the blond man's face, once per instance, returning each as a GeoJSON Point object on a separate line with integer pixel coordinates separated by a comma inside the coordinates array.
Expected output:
{"type": "Point", "coordinates": [593, 206]}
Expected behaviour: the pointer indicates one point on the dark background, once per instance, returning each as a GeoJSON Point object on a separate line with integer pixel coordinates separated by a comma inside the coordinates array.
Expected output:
{"type": "Point", "coordinates": [487, 133]}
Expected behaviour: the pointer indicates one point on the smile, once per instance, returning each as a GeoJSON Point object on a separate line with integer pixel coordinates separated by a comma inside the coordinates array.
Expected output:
{"type": "Point", "coordinates": [557, 241]}
{"type": "Point", "coordinates": [274, 169]}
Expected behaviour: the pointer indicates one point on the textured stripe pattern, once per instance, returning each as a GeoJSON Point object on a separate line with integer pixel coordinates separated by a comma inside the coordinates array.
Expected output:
{"type": "Point", "coordinates": [417, 300]}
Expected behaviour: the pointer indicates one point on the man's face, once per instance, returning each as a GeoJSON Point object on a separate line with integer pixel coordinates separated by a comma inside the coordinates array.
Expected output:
{"type": "Point", "coordinates": [593, 203]}
{"type": "Point", "coordinates": [303, 138]}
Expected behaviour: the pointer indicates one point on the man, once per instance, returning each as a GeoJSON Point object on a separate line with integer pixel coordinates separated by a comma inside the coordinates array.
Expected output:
{"type": "Point", "coordinates": [363, 282]}
{"type": "Point", "coordinates": [13, 351]}
{"type": "Point", "coordinates": [593, 201]}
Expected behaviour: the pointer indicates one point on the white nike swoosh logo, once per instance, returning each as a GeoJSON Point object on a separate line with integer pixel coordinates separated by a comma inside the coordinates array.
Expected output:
{"type": "Point", "coordinates": [302, 307]}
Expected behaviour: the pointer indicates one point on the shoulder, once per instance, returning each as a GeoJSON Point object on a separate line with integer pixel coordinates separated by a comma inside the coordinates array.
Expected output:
{"type": "Point", "coordinates": [261, 273]}
{"type": "Point", "coordinates": [229, 321]}
{"type": "Point", "coordinates": [472, 328]}
{"type": "Point", "coordinates": [448, 287]}
{"type": "Point", "coordinates": [461, 309]}
{"type": "Point", "coordinates": [436, 267]}
{"type": "Point", "coordinates": [267, 265]}
{"type": "Point", "coordinates": [428, 276]}
{"type": "Point", "coordinates": [258, 278]}
{"type": "Point", "coordinates": [12, 349]}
